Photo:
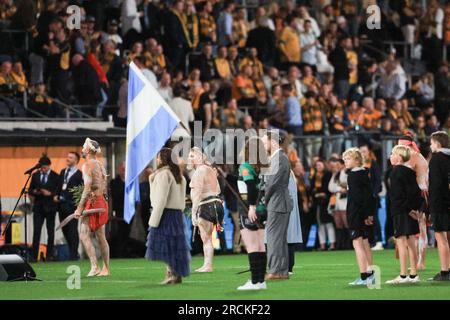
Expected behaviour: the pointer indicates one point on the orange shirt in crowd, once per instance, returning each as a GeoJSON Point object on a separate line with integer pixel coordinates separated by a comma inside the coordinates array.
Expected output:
{"type": "Point", "coordinates": [370, 121]}
{"type": "Point", "coordinates": [241, 82]}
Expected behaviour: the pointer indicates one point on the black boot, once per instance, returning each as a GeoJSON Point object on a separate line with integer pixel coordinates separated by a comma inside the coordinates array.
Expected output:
{"type": "Point", "coordinates": [262, 266]}
{"type": "Point", "coordinates": [339, 244]}
{"type": "Point", "coordinates": [253, 259]}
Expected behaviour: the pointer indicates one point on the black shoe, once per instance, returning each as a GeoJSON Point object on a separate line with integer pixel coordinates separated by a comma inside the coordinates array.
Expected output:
{"type": "Point", "coordinates": [439, 277]}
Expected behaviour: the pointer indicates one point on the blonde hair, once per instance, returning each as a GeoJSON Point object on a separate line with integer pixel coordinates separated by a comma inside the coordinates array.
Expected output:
{"type": "Point", "coordinates": [353, 153]}
{"type": "Point", "coordinates": [403, 152]}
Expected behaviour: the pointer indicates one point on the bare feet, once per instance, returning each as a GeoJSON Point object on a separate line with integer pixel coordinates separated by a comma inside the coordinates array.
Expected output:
{"type": "Point", "coordinates": [94, 271]}
{"type": "Point", "coordinates": [420, 267]}
{"type": "Point", "coordinates": [204, 269]}
{"type": "Point", "coordinates": [104, 272]}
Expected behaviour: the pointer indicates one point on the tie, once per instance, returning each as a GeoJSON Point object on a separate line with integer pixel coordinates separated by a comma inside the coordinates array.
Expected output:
{"type": "Point", "coordinates": [44, 178]}
{"type": "Point", "coordinates": [66, 176]}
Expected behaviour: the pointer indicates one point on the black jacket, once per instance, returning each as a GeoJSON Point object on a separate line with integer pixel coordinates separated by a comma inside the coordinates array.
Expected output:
{"type": "Point", "coordinates": [338, 59]}
{"type": "Point", "coordinates": [359, 198]}
{"type": "Point", "coordinates": [65, 196]}
{"type": "Point", "coordinates": [264, 40]}
{"type": "Point", "coordinates": [404, 192]}
{"type": "Point", "coordinates": [41, 202]}
{"type": "Point", "coordinates": [321, 203]}
{"type": "Point", "coordinates": [439, 176]}
{"type": "Point", "coordinates": [117, 189]}
{"type": "Point", "coordinates": [87, 84]}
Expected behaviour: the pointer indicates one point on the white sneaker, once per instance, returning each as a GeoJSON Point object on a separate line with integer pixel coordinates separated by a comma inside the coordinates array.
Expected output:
{"type": "Point", "coordinates": [398, 280]}
{"type": "Point", "coordinates": [416, 279]}
{"type": "Point", "coordinates": [250, 286]}
{"type": "Point", "coordinates": [291, 273]}
{"type": "Point", "coordinates": [358, 282]}
{"type": "Point", "coordinates": [378, 246]}
{"type": "Point", "coordinates": [262, 285]}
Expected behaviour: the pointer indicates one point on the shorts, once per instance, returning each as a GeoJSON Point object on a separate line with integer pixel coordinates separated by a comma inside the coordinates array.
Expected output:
{"type": "Point", "coordinates": [441, 222]}
{"type": "Point", "coordinates": [362, 232]}
{"type": "Point", "coordinates": [96, 220]}
{"type": "Point", "coordinates": [404, 225]}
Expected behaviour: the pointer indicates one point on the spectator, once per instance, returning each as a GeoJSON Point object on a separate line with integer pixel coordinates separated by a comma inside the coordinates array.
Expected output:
{"type": "Point", "coordinates": [208, 25]}
{"type": "Point", "coordinates": [312, 125]}
{"type": "Point", "coordinates": [321, 195]}
{"type": "Point", "coordinates": [293, 111]}
{"type": "Point", "coordinates": [370, 118]}
{"type": "Point", "coordinates": [252, 60]}
{"type": "Point", "coordinates": [243, 89]}
{"type": "Point", "coordinates": [130, 17]}
{"type": "Point", "coordinates": [240, 28]}
{"type": "Point", "coordinates": [87, 83]}
{"type": "Point", "coordinates": [42, 103]}
{"type": "Point", "coordinates": [442, 92]}
{"type": "Point", "coordinates": [112, 33]}
{"type": "Point", "coordinates": [338, 202]}
{"type": "Point", "coordinates": [164, 88]}
{"type": "Point", "coordinates": [303, 17]}
{"type": "Point", "coordinates": [176, 40]}
{"type": "Point", "coordinates": [191, 25]}
{"type": "Point", "coordinates": [140, 63]}
{"type": "Point", "coordinates": [339, 60]}
{"type": "Point", "coordinates": [222, 65]}
{"type": "Point", "coordinates": [225, 24]}
{"type": "Point", "coordinates": [9, 107]}
{"type": "Point", "coordinates": [392, 83]}
{"type": "Point", "coordinates": [308, 43]}
{"type": "Point", "coordinates": [263, 39]}
{"type": "Point", "coordinates": [289, 44]}
{"type": "Point", "coordinates": [207, 66]}
{"type": "Point", "coordinates": [432, 125]}
{"type": "Point", "coordinates": [183, 109]}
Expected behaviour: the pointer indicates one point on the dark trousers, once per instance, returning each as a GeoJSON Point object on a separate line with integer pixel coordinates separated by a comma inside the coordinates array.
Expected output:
{"type": "Point", "coordinates": [291, 252]}
{"type": "Point", "coordinates": [295, 130]}
{"type": "Point", "coordinates": [70, 232]}
{"type": "Point", "coordinates": [38, 222]}
{"type": "Point", "coordinates": [120, 238]}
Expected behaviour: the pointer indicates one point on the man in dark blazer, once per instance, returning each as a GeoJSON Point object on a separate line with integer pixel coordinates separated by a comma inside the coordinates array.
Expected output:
{"type": "Point", "coordinates": [69, 178]}
{"type": "Point", "coordinates": [279, 204]}
{"type": "Point", "coordinates": [43, 188]}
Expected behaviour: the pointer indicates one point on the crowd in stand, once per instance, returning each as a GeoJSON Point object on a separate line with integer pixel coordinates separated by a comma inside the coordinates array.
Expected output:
{"type": "Point", "coordinates": [307, 67]}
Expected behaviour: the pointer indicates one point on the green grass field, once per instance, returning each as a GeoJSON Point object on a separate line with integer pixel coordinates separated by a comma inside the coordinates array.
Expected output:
{"type": "Point", "coordinates": [318, 275]}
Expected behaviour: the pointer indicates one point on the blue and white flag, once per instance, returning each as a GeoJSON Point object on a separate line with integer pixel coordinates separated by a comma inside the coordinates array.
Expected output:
{"type": "Point", "coordinates": [150, 123]}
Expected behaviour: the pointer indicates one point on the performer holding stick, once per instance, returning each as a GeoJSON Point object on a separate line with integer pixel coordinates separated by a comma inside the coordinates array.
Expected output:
{"type": "Point", "coordinates": [93, 197]}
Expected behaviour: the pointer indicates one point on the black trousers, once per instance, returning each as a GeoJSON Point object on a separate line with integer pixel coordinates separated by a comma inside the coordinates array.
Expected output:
{"type": "Point", "coordinates": [38, 221]}
{"type": "Point", "coordinates": [70, 231]}
{"type": "Point", "coordinates": [120, 238]}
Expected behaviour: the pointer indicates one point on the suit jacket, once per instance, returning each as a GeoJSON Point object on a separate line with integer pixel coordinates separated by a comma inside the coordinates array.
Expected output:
{"type": "Point", "coordinates": [276, 189]}
{"type": "Point", "coordinates": [65, 196]}
{"type": "Point", "coordinates": [41, 202]}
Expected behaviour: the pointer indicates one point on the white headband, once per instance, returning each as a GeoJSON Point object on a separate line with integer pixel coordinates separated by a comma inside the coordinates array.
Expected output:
{"type": "Point", "coordinates": [90, 144]}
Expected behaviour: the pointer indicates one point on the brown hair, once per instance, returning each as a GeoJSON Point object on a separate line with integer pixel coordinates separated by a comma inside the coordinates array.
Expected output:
{"type": "Point", "coordinates": [166, 160]}
{"type": "Point", "coordinates": [261, 159]}
{"type": "Point", "coordinates": [442, 138]}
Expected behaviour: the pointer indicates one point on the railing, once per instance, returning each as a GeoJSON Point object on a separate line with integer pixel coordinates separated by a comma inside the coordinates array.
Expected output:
{"type": "Point", "coordinates": [15, 31]}
{"type": "Point", "coordinates": [337, 143]}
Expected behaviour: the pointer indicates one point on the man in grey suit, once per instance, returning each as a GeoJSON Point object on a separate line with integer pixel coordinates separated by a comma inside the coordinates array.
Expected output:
{"type": "Point", "coordinates": [279, 205]}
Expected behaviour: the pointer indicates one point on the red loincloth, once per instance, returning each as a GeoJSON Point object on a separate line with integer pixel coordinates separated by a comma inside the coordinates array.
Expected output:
{"type": "Point", "coordinates": [96, 220]}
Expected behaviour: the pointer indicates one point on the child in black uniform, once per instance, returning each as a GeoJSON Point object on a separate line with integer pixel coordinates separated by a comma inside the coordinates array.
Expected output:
{"type": "Point", "coordinates": [359, 211]}
{"type": "Point", "coordinates": [439, 177]}
{"type": "Point", "coordinates": [405, 200]}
